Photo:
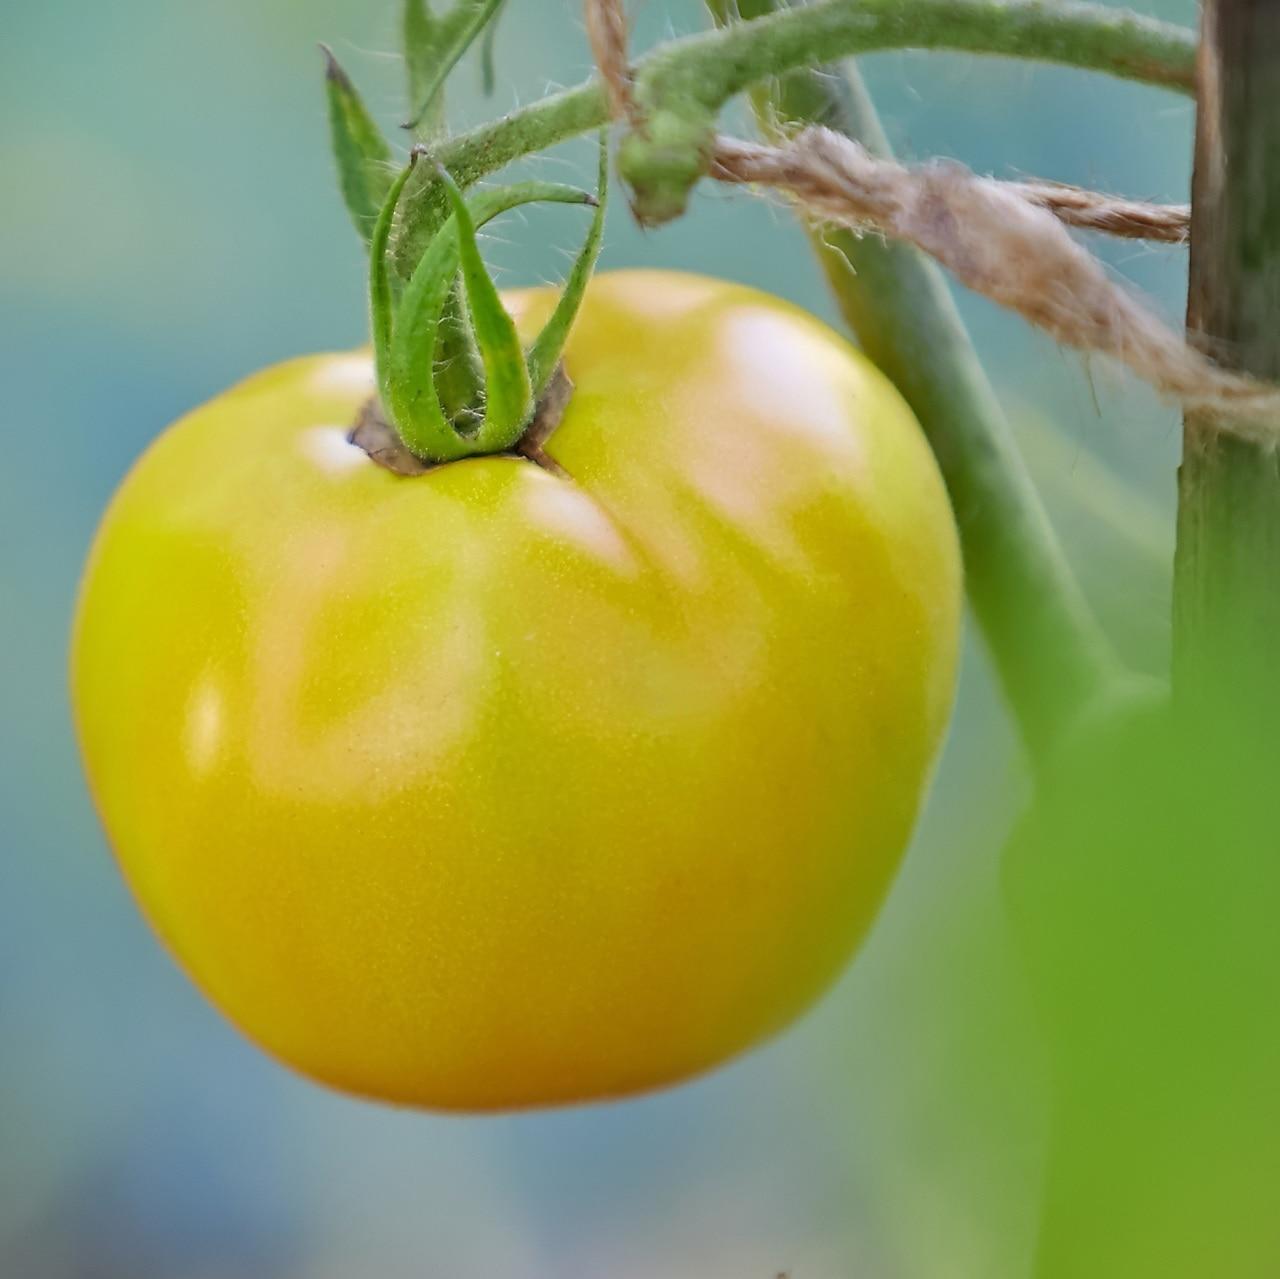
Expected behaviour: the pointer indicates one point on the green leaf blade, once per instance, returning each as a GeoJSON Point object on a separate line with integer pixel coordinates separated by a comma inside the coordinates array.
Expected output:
{"type": "Point", "coordinates": [432, 48]}
{"type": "Point", "coordinates": [508, 399]}
{"type": "Point", "coordinates": [549, 345]}
{"type": "Point", "coordinates": [410, 391]}
{"type": "Point", "coordinates": [420, 39]}
{"type": "Point", "coordinates": [380, 296]}
{"type": "Point", "coordinates": [488, 74]}
{"type": "Point", "coordinates": [362, 155]}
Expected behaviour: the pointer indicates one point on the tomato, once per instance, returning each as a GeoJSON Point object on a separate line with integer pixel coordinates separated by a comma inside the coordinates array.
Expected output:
{"type": "Point", "coordinates": [495, 787]}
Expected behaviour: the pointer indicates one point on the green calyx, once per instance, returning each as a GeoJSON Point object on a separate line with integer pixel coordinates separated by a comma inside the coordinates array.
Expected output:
{"type": "Point", "coordinates": [454, 379]}
{"type": "Point", "coordinates": [362, 154]}
{"type": "Point", "coordinates": [407, 330]}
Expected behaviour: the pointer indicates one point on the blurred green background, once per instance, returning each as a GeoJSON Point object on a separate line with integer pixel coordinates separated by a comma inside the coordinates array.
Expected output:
{"type": "Point", "coordinates": [169, 223]}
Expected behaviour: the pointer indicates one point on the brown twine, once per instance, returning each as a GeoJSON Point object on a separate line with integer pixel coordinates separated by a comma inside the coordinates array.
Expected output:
{"type": "Point", "coordinates": [607, 34]}
{"type": "Point", "coordinates": [999, 244]}
{"type": "Point", "coordinates": [1004, 240]}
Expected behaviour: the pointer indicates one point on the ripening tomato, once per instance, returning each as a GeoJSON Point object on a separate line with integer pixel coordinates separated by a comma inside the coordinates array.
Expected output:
{"type": "Point", "coordinates": [495, 787]}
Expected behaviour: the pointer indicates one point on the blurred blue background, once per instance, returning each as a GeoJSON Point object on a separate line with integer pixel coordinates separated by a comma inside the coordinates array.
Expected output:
{"type": "Point", "coordinates": [169, 224]}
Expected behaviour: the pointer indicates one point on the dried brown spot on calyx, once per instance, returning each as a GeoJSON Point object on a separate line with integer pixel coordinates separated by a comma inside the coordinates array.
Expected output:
{"type": "Point", "coordinates": [378, 438]}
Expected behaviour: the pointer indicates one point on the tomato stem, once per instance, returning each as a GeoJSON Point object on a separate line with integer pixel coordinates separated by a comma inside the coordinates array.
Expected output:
{"type": "Point", "coordinates": [1226, 601]}
{"type": "Point", "coordinates": [683, 83]}
{"type": "Point", "coordinates": [1049, 653]}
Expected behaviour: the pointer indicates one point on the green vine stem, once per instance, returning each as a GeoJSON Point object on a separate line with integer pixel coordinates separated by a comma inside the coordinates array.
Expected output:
{"type": "Point", "coordinates": [692, 78]}
{"type": "Point", "coordinates": [1048, 650]}
{"type": "Point", "coordinates": [1227, 570]}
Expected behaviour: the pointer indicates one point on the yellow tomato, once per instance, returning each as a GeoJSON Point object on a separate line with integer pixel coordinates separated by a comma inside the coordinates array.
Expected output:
{"type": "Point", "coordinates": [493, 787]}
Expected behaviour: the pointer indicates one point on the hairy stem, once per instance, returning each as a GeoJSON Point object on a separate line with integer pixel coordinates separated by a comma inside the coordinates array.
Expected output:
{"type": "Point", "coordinates": [715, 66]}
{"type": "Point", "coordinates": [701, 72]}
{"type": "Point", "coordinates": [1048, 651]}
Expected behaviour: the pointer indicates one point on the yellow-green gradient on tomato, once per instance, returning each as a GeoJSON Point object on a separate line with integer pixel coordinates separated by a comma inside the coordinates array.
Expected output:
{"type": "Point", "coordinates": [494, 787]}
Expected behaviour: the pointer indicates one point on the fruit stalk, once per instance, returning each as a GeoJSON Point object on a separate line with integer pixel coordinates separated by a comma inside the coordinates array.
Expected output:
{"type": "Point", "coordinates": [693, 77]}
{"type": "Point", "coordinates": [1050, 655]}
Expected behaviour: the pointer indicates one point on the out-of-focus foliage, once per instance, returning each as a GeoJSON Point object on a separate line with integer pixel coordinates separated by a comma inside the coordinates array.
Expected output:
{"type": "Point", "coordinates": [1145, 887]}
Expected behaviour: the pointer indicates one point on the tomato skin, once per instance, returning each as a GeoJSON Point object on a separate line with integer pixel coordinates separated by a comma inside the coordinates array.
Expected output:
{"type": "Point", "coordinates": [490, 788]}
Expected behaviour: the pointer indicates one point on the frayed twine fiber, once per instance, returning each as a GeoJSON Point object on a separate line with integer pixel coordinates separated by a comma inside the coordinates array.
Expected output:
{"type": "Point", "coordinates": [1004, 240]}
{"type": "Point", "coordinates": [607, 35]}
